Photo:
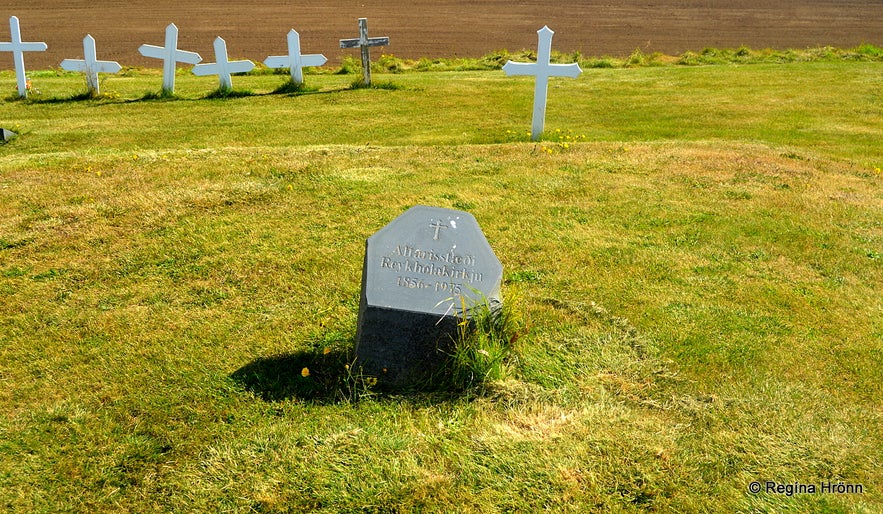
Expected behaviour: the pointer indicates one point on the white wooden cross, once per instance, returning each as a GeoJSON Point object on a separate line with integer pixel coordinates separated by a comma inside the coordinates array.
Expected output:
{"type": "Point", "coordinates": [295, 61]}
{"type": "Point", "coordinates": [18, 49]}
{"type": "Point", "coordinates": [542, 69]}
{"type": "Point", "coordinates": [170, 56]}
{"type": "Point", "coordinates": [222, 67]}
{"type": "Point", "coordinates": [90, 65]}
{"type": "Point", "coordinates": [364, 42]}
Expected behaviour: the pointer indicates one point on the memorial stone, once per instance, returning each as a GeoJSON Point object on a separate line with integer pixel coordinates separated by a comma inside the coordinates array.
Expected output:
{"type": "Point", "coordinates": [6, 135]}
{"type": "Point", "coordinates": [419, 272]}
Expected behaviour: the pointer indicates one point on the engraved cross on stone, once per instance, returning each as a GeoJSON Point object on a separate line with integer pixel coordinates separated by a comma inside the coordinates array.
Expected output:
{"type": "Point", "coordinates": [90, 65]}
{"type": "Point", "coordinates": [437, 226]}
{"type": "Point", "coordinates": [364, 42]}
{"type": "Point", "coordinates": [170, 56]}
{"type": "Point", "coordinates": [542, 69]}
{"type": "Point", "coordinates": [18, 49]}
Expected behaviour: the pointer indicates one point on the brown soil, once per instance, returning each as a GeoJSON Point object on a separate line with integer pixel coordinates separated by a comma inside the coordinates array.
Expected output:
{"type": "Point", "coordinates": [442, 28]}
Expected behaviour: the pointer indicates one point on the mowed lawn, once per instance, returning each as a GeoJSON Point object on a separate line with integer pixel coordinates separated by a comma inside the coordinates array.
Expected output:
{"type": "Point", "coordinates": [698, 252]}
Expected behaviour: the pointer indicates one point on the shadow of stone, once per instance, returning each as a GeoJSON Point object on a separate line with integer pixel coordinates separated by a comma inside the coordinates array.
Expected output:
{"type": "Point", "coordinates": [306, 375]}
{"type": "Point", "coordinates": [329, 378]}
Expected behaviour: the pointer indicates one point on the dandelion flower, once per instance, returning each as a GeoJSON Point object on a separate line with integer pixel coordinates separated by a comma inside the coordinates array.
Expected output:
{"type": "Point", "coordinates": [305, 372]}
{"type": "Point", "coordinates": [326, 351]}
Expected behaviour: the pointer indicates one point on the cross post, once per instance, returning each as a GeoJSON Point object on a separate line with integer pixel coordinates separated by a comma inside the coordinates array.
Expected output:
{"type": "Point", "coordinates": [222, 67]}
{"type": "Point", "coordinates": [364, 42]}
{"type": "Point", "coordinates": [90, 65]}
{"type": "Point", "coordinates": [295, 61]}
{"type": "Point", "coordinates": [170, 56]}
{"type": "Point", "coordinates": [18, 49]}
{"type": "Point", "coordinates": [542, 70]}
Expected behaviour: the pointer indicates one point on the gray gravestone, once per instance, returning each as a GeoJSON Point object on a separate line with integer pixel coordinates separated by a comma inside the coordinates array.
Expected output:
{"type": "Point", "coordinates": [6, 135]}
{"type": "Point", "coordinates": [418, 271]}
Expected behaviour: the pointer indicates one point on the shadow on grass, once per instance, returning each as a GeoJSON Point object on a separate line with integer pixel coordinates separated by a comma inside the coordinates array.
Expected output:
{"type": "Point", "coordinates": [326, 379]}
{"type": "Point", "coordinates": [286, 89]}
{"type": "Point", "coordinates": [309, 375]}
{"type": "Point", "coordinates": [326, 373]}
{"type": "Point", "coordinates": [76, 97]}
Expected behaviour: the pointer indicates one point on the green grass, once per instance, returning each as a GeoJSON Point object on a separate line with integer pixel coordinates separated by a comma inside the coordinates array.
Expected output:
{"type": "Point", "coordinates": [698, 251]}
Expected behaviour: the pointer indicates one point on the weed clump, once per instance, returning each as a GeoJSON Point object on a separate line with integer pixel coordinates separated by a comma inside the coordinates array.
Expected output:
{"type": "Point", "coordinates": [359, 83]}
{"type": "Point", "coordinates": [224, 93]}
{"type": "Point", "coordinates": [290, 87]}
{"type": "Point", "coordinates": [485, 347]}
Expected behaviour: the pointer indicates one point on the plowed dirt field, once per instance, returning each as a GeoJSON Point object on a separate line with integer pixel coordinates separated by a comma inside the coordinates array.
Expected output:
{"type": "Point", "coordinates": [440, 28]}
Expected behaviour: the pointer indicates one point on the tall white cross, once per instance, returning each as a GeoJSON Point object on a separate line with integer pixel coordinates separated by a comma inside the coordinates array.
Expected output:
{"type": "Point", "coordinates": [222, 67]}
{"type": "Point", "coordinates": [18, 49]}
{"type": "Point", "coordinates": [170, 56]}
{"type": "Point", "coordinates": [295, 61]}
{"type": "Point", "coordinates": [364, 42]}
{"type": "Point", "coordinates": [90, 65]}
{"type": "Point", "coordinates": [542, 69]}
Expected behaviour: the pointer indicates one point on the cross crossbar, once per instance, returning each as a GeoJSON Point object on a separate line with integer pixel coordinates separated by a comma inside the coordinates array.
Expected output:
{"type": "Point", "coordinates": [373, 41]}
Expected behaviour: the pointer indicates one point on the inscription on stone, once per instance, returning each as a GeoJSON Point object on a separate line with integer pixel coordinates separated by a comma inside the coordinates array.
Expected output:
{"type": "Point", "coordinates": [419, 272]}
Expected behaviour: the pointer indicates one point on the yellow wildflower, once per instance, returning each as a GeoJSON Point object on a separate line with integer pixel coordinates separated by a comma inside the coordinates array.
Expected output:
{"type": "Point", "coordinates": [305, 372]}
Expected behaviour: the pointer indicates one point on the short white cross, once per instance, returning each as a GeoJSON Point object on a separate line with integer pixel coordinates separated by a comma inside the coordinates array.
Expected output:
{"type": "Point", "coordinates": [170, 56]}
{"type": "Point", "coordinates": [542, 69]}
{"type": "Point", "coordinates": [222, 67]}
{"type": "Point", "coordinates": [295, 61]}
{"type": "Point", "coordinates": [90, 65]}
{"type": "Point", "coordinates": [364, 42]}
{"type": "Point", "coordinates": [18, 48]}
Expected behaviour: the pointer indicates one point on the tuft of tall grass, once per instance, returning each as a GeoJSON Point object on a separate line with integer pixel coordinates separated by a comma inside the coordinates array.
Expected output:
{"type": "Point", "coordinates": [290, 87]}
{"type": "Point", "coordinates": [222, 93]}
{"type": "Point", "coordinates": [485, 347]}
